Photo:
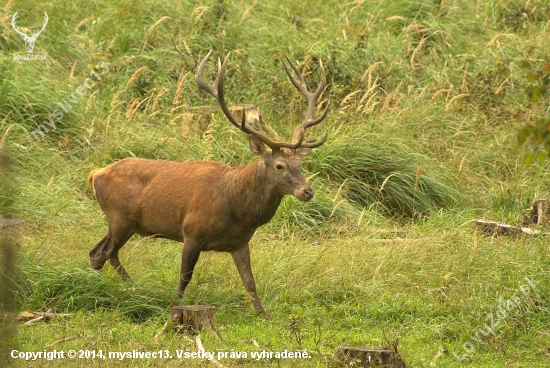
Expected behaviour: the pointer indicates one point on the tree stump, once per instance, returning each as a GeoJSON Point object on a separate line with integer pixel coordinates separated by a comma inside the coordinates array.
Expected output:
{"type": "Point", "coordinates": [539, 213]}
{"type": "Point", "coordinates": [9, 231]}
{"type": "Point", "coordinates": [200, 116]}
{"type": "Point", "coordinates": [348, 356]}
{"type": "Point", "coordinates": [253, 116]}
{"type": "Point", "coordinates": [192, 318]}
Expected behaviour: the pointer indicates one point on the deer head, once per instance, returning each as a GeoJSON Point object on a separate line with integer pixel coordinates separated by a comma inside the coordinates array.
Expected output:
{"type": "Point", "coordinates": [282, 160]}
{"type": "Point", "coordinates": [29, 40]}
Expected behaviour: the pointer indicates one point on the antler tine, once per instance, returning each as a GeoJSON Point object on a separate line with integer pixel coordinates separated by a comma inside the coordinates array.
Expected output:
{"type": "Point", "coordinates": [46, 18]}
{"type": "Point", "coordinates": [311, 123]}
{"type": "Point", "coordinates": [312, 98]}
{"type": "Point", "coordinates": [314, 143]}
{"type": "Point", "coordinates": [216, 90]}
{"type": "Point", "coordinates": [199, 78]}
{"type": "Point", "coordinates": [14, 26]}
{"type": "Point", "coordinates": [14, 19]}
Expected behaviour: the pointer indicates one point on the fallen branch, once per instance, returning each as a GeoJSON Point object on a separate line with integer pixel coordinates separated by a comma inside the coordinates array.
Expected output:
{"type": "Point", "coordinates": [33, 321]}
{"type": "Point", "coordinates": [43, 254]}
{"type": "Point", "coordinates": [201, 348]}
{"type": "Point", "coordinates": [493, 228]}
{"type": "Point", "coordinates": [65, 339]}
{"type": "Point", "coordinates": [33, 317]}
{"type": "Point", "coordinates": [164, 328]}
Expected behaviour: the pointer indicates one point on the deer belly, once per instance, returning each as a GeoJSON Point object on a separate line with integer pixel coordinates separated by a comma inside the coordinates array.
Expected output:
{"type": "Point", "coordinates": [224, 245]}
{"type": "Point", "coordinates": [220, 239]}
{"type": "Point", "coordinates": [167, 233]}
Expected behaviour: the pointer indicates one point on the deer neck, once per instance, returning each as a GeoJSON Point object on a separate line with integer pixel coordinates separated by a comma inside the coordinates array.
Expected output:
{"type": "Point", "coordinates": [254, 198]}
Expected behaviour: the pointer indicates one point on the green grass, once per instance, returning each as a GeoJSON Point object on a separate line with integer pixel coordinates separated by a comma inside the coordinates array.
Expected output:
{"type": "Point", "coordinates": [427, 98]}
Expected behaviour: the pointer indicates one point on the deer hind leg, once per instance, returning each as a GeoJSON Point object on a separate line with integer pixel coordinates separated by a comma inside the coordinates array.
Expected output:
{"type": "Point", "coordinates": [108, 247]}
{"type": "Point", "coordinates": [241, 258]}
{"type": "Point", "coordinates": [97, 256]}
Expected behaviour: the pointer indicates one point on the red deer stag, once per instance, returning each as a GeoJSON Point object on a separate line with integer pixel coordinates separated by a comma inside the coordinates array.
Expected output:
{"type": "Point", "coordinates": [208, 205]}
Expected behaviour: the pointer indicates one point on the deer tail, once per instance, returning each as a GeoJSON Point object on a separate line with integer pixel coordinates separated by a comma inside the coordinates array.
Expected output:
{"type": "Point", "coordinates": [91, 178]}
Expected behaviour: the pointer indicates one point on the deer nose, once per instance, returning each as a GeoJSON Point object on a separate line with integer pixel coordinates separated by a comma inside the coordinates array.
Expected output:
{"type": "Point", "coordinates": [308, 194]}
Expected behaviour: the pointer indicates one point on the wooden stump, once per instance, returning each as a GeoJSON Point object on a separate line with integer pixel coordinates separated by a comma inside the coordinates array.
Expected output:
{"type": "Point", "coordinates": [539, 213]}
{"type": "Point", "coordinates": [192, 318]}
{"type": "Point", "coordinates": [9, 229]}
{"type": "Point", "coordinates": [348, 356]}
{"type": "Point", "coordinates": [253, 116]}
{"type": "Point", "coordinates": [200, 116]}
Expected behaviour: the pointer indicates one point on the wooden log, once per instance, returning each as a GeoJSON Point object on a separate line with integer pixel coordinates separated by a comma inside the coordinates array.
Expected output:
{"type": "Point", "coordinates": [4, 222]}
{"type": "Point", "coordinates": [493, 228]}
{"type": "Point", "coordinates": [26, 315]}
{"type": "Point", "coordinates": [348, 356]}
{"type": "Point", "coordinates": [192, 318]}
{"type": "Point", "coordinates": [539, 213]}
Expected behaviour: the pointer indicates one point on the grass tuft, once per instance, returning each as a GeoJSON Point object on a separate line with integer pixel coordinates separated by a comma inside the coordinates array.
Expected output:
{"type": "Point", "coordinates": [89, 290]}
{"type": "Point", "coordinates": [400, 182]}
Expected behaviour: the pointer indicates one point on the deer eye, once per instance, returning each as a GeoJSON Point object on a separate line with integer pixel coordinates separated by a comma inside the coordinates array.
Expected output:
{"type": "Point", "coordinates": [279, 167]}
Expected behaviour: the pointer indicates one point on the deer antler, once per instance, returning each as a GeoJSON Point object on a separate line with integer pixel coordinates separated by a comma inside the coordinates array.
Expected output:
{"type": "Point", "coordinates": [29, 40]}
{"type": "Point", "coordinates": [46, 18]}
{"type": "Point", "coordinates": [35, 33]}
{"type": "Point", "coordinates": [312, 98]}
{"type": "Point", "coordinates": [216, 90]}
{"type": "Point", "coordinates": [16, 29]}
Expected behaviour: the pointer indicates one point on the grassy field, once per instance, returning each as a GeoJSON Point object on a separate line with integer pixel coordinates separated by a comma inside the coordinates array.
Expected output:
{"type": "Point", "coordinates": [427, 99]}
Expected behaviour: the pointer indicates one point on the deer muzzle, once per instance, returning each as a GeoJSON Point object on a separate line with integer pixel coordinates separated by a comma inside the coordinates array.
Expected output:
{"type": "Point", "coordinates": [304, 194]}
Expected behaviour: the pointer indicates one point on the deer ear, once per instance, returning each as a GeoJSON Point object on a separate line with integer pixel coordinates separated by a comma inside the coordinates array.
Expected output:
{"type": "Point", "coordinates": [256, 146]}
{"type": "Point", "coordinates": [302, 151]}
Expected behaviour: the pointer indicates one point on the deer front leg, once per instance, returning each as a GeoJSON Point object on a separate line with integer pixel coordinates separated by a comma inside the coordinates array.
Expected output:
{"type": "Point", "coordinates": [241, 257]}
{"type": "Point", "coordinates": [189, 257]}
